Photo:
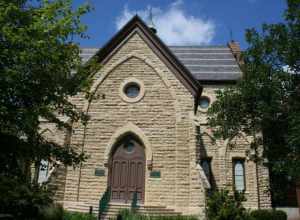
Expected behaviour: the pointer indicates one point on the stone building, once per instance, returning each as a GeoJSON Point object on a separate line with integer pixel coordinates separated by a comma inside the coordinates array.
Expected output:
{"type": "Point", "coordinates": [148, 136]}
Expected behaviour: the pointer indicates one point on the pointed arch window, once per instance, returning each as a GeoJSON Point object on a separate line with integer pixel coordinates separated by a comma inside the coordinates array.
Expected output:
{"type": "Point", "coordinates": [239, 175]}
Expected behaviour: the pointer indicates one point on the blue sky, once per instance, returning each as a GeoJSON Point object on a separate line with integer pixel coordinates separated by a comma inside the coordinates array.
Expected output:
{"type": "Point", "coordinates": [201, 22]}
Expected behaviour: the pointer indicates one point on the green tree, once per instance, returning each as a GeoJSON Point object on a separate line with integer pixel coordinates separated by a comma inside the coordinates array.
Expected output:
{"type": "Point", "coordinates": [40, 68]}
{"type": "Point", "coordinates": [223, 206]}
{"type": "Point", "coordinates": [265, 103]}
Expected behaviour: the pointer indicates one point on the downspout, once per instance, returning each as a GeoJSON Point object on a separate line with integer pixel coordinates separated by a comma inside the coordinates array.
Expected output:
{"type": "Point", "coordinates": [197, 98]}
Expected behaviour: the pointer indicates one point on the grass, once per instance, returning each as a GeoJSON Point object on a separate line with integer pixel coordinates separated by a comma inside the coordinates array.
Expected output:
{"type": "Point", "coordinates": [129, 215]}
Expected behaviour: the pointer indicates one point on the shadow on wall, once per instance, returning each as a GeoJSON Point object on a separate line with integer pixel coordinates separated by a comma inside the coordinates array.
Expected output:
{"type": "Point", "coordinates": [204, 159]}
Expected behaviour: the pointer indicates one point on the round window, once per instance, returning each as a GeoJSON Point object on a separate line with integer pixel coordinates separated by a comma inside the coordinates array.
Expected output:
{"type": "Point", "coordinates": [132, 90]}
{"type": "Point", "coordinates": [129, 146]}
{"type": "Point", "coordinates": [204, 102]}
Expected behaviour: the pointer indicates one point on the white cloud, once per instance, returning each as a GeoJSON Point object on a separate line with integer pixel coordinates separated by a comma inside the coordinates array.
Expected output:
{"type": "Point", "coordinates": [173, 25]}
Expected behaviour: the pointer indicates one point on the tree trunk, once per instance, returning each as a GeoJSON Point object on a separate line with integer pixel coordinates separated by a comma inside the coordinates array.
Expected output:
{"type": "Point", "coordinates": [298, 194]}
{"type": "Point", "coordinates": [36, 172]}
{"type": "Point", "coordinates": [27, 171]}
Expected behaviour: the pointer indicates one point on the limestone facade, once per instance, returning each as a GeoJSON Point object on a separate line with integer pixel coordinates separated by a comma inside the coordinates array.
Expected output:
{"type": "Point", "coordinates": [174, 136]}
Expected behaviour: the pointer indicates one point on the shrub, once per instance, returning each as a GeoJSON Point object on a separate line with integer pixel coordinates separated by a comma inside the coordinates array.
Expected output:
{"type": "Point", "coordinates": [268, 214]}
{"type": "Point", "coordinates": [261, 214]}
{"type": "Point", "coordinates": [54, 212]}
{"type": "Point", "coordinates": [279, 215]}
{"type": "Point", "coordinates": [22, 200]}
{"type": "Point", "coordinates": [223, 206]}
{"type": "Point", "coordinates": [127, 214]}
{"type": "Point", "coordinates": [78, 216]}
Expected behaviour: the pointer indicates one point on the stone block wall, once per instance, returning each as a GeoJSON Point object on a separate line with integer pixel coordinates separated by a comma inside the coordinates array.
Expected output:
{"type": "Point", "coordinates": [161, 119]}
{"type": "Point", "coordinates": [222, 155]}
{"type": "Point", "coordinates": [174, 138]}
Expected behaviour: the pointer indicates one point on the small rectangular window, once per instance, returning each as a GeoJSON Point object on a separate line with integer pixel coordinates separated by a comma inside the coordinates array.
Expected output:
{"type": "Point", "coordinates": [239, 174]}
{"type": "Point", "coordinates": [43, 171]}
{"type": "Point", "coordinates": [206, 166]}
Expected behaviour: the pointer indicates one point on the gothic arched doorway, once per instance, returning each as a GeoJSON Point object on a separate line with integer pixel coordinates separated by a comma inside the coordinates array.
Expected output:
{"type": "Point", "coordinates": [127, 170]}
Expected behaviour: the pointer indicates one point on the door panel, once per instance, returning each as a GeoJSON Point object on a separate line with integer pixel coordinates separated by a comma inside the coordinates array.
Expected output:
{"type": "Point", "coordinates": [127, 172]}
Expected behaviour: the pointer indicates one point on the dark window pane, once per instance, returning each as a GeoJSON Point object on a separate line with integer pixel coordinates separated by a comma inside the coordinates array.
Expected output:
{"type": "Point", "coordinates": [132, 90]}
{"type": "Point", "coordinates": [206, 166]}
{"type": "Point", "coordinates": [129, 147]}
{"type": "Point", "coordinates": [204, 102]}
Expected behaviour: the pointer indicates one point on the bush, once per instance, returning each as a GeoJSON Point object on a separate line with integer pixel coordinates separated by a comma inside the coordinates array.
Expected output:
{"type": "Point", "coordinates": [266, 214]}
{"type": "Point", "coordinates": [223, 206]}
{"type": "Point", "coordinates": [54, 212]}
{"type": "Point", "coordinates": [78, 216]}
{"type": "Point", "coordinates": [280, 215]}
{"type": "Point", "coordinates": [261, 214]}
{"type": "Point", "coordinates": [22, 200]}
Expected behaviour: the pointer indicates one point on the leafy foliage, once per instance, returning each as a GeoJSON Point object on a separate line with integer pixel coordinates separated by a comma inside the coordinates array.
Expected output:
{"type": "Point", "coordinates": [223, 206]}
{"type": "Point", "coordinates": [53, 212]}
{"type": "Point", "coordinates": [104, 201]}
{"type": "Point", "coordinates": [78, 216]}
{"type": "Point", "coordinates": [127, 214]}
{"type": "Point", "coordinates": [265, 103]}
{"type": "Point", "coordinates": [23, 200]}
{"type": "Point", "coordinates": [134, 202]}
{"type": "Point", "coordinates": [40, 68]}
{"type": "Point", "coordinates": [265, 214]}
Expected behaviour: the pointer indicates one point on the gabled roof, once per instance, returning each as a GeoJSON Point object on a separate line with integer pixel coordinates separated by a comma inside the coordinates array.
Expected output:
{"type": "Point", "coordinates": [209, 63]}
{"type": "Point", "coordinates": [159, 48]}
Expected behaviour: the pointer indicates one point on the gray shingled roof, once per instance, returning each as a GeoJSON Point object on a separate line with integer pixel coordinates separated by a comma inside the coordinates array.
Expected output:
{"type": "Point", "coordinates": [206, 63]}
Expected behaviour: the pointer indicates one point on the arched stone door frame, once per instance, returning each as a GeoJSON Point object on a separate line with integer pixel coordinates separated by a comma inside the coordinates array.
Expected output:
{"type": "Point", "coordinates": [128, 129]}
{"type": "Point", "coordinates": [127, 169]}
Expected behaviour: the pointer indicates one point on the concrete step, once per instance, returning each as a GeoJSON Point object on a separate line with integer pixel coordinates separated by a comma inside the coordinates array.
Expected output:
{"type": "Point", "coordinates": [114, 209]}
{"type": "Point", "coordinates": [141, 209]}
{"type": "Point", "coordinates": [110, 212]}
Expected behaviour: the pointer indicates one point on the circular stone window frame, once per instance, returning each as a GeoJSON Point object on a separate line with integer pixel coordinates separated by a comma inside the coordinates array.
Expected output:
{"type": "Point", "coordinates": [126, 149]}
{"type": "Point", "coordinates": [209, 103]}
{"type": "Point", "coordinates": [125, 84]}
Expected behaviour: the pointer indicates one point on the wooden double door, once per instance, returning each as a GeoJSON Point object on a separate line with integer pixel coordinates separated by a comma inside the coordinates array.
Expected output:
{"type": "Point", "coordinates": [127, 171]}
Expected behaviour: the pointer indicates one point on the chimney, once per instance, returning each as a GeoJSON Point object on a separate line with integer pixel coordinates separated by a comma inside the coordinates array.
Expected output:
{"type": "Point", "coordinates": [236, 51]}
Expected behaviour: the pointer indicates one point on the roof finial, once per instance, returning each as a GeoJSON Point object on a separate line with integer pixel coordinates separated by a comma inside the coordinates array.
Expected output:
{"type": "Point", "coordinates": [231, 35]}
{"type": "Point", "coordinates": [151, 23]}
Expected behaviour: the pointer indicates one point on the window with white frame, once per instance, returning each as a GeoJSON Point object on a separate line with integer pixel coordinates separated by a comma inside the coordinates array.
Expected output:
{"type": "Point", "coordinates": [43, 171]}
{"type": "Point", "coordinates": [239, 175]}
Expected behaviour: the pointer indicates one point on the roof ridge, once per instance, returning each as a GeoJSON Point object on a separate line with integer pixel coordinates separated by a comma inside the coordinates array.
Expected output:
{"type": "Point", "coordinates": [199, 46]}
{"type": "Point", "coordinates": [175, 46]}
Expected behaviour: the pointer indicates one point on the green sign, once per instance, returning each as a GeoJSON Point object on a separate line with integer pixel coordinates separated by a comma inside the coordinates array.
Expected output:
{"type": "Point", "coordinates": [155, 174]}
{"type": "Point", "coordinates": [99, 172]}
